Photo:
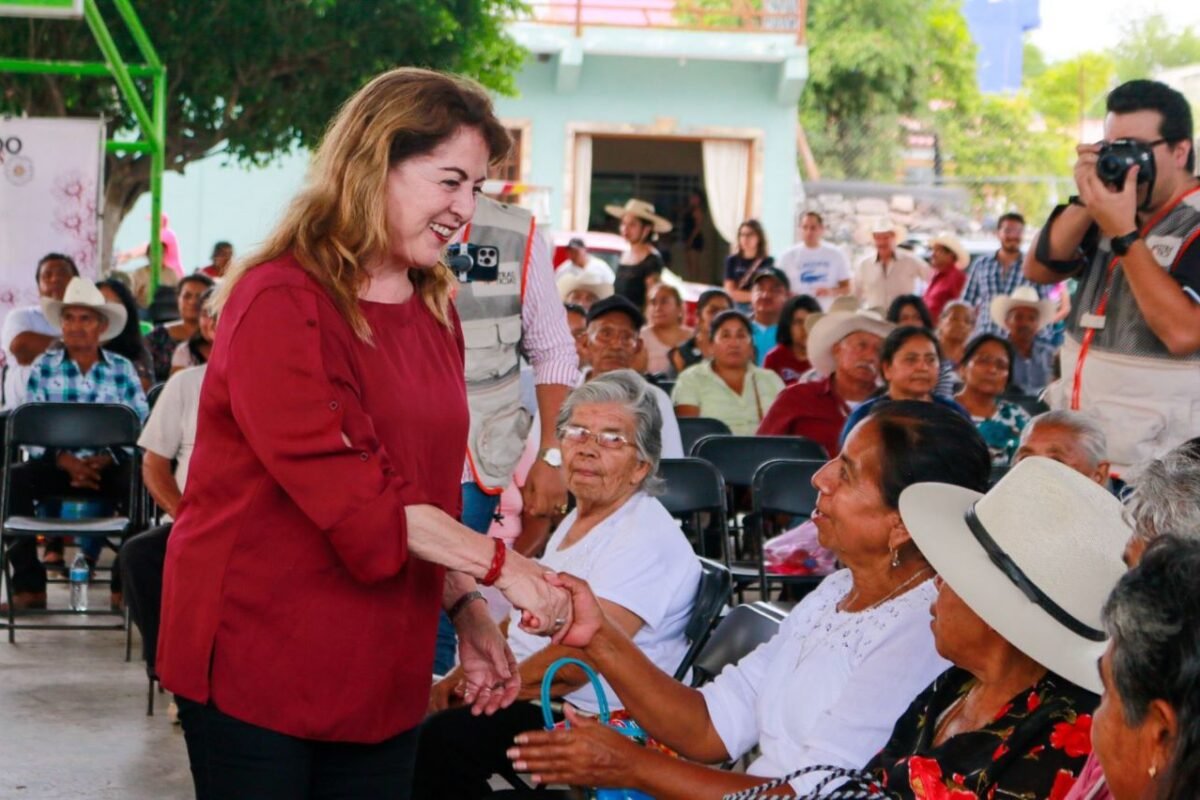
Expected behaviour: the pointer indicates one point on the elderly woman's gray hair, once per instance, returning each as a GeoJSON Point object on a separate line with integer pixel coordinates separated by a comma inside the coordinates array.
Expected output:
{"type": "Point", "coordinates": [1089, 433]}
{"type": "Point", "coordinates": [626, 388]}
{"type": "Point", "coordinates": [1166, 496]}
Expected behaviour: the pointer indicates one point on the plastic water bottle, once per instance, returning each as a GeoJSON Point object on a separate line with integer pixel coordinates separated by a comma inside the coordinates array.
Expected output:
{"type": "Point", "coordinates": [79, 583]}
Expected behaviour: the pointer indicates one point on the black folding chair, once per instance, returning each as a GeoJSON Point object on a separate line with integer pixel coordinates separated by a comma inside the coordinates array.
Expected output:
{"type": "Point", "coordinates": [738, 458]}
{"type": "Point", "coordinates": [693, 429]}
{"type": "Point", "coordinates": [783, 489]}
{"type": "Point", "coordinates": [695, 495]}
{"type": "Point", "coordinates": [714, 592]}
{"type": "Point", "coordinates": [744, 628]}
{"type": "Point", "coordinates": [67, 426]}
{"type": "Point", "coordinates": [152, 395]}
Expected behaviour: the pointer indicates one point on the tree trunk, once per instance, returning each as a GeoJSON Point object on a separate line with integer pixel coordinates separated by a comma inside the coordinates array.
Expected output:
{"type": "Point", "coordinates": [126, 180]}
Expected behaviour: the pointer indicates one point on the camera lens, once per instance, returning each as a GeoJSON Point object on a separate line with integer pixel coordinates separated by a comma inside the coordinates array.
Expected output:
{"type": "Point", "coordinates": [1111, 168]}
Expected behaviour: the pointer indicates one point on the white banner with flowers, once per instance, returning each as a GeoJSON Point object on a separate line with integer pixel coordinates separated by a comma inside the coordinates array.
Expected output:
{"type": "Point", "coordinates": [51, 178]}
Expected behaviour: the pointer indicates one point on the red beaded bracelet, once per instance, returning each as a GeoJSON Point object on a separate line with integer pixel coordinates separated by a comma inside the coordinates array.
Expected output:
{"type": "Point", "coordinates": [497, 563]}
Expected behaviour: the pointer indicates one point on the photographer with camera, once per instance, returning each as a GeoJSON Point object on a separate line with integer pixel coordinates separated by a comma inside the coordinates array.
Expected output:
{"type": "Point", "coordinates": [1132, 239]}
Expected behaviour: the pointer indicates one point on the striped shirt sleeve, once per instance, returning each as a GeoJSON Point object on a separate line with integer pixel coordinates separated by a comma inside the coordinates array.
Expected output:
{"type": "Point", "coordinates": [547, 339]}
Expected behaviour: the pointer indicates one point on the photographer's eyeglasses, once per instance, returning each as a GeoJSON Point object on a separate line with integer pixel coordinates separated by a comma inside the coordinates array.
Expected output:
{"type": "Point", "coordinates": [1155, 143]}
{"type": "Point", "coordinates": [577, 434]}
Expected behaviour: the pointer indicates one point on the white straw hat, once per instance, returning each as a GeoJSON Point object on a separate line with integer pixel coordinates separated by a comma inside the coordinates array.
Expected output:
{"type": "Point", "coordinates": [831, 328]}
{"type": "Point", "coordinates": [642, 210]}
{"type": "Point", "coordinates": [569, 282]}
{"type": "Point", "coordinates": [1035, 558]}
{"type": "Point", "coordinates": [962, 256]}
{"type": "Point", "coordinates": [82, 292]}
{"type": "Point", "coordinates": [1027, 297]}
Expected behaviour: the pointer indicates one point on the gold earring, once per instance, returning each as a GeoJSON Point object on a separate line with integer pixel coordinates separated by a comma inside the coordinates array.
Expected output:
{"type": "Point", "coordinates": [1153, 771]}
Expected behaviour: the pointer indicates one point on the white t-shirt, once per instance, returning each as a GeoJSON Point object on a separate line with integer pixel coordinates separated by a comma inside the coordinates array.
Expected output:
{"type": "Point", "coordinates": [829, 687]}
{"type": "Point", "coordinates": [171, 430]}
{"type": "Point", "coordinates": [672, 440]}
{"type": "Point", "coordinates": [639, 559]}
{"type": "Point", "coordinates": [21, 320]}
{"type": "Point", "coordinates": [813, 268]}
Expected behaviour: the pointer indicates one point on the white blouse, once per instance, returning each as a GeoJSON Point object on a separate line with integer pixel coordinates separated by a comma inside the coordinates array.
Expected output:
{"type": "Point", "coordinates": [829, 687]}
{"type": "Point", "coordinates": [639, 559]}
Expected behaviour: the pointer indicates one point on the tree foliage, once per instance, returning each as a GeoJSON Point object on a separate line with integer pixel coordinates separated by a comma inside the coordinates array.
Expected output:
{"type": "Point", "coordinates": [872, 62]}
{"type": "Point", "coordinates": [251, 78]}
{"type": "Point", "coordinates": [1150, 44]}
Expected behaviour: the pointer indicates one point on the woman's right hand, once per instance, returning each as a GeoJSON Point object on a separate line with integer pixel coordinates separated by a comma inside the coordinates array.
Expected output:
{"type": "Point", "coordinates": [546, 608]}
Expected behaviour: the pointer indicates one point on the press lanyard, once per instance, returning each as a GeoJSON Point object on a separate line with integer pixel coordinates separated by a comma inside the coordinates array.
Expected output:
{"type": "Point", "coordinates": [1102, 305]}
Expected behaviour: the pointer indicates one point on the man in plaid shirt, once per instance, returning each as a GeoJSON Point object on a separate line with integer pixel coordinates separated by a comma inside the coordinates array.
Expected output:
{"type": "Point", "coordinates": [998, 274]}
{"type": "Point", "coordinates": [77, 372]}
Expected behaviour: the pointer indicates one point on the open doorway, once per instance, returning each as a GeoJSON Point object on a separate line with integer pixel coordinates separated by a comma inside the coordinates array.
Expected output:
{"type": "Point", "coordinates": [665, 172]}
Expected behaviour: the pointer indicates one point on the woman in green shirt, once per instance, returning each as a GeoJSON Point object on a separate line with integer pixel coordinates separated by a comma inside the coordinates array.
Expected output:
{"type": "Point", "coordinates": [728, 386]}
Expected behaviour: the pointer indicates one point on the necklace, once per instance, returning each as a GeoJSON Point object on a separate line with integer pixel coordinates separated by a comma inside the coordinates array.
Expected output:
{"type": "Point", "coordinates": [853, 596]}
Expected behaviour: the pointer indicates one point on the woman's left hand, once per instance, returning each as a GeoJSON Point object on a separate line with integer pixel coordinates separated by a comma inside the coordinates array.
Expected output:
{"type": "Point", "coordinates": [491, 678]}
{"type": "Point", "coordinates": [587, 754]}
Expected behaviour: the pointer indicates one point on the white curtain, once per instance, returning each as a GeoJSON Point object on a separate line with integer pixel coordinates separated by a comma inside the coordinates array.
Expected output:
{"type": "Point", "coordinates": [726, 182]}
{"type": "Point", "coordinates": [581, 201]}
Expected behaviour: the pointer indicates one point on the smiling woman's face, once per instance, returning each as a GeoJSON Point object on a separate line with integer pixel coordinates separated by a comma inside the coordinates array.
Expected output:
{"type": "Point", "coordinates": [430, 197]}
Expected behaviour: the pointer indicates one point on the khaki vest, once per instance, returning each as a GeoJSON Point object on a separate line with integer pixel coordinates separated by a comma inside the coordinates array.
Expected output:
{"type": "Point", "coordinates": [490, 312]}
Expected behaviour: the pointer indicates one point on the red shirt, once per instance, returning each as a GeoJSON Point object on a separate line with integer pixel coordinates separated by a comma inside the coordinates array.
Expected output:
{"type": "Point", "coordinates": [946, 285]}
{"type": "Point", "coordinates": [290, 599]}
{"type": "Point", "coordinates": [812, 410]}
{"type": "Point", "coordinates": [783, 361]}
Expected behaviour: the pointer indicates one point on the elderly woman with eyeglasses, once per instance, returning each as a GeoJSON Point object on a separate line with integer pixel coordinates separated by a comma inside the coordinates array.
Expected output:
{"type": "Point", "coordinates": [622, 541]}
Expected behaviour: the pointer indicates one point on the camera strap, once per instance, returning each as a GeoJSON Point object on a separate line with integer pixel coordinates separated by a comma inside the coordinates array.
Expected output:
{"type": "Point", "coordinates": [1096, 318]}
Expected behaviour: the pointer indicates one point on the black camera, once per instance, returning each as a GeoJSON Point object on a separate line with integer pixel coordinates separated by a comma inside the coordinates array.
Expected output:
{"type": "Point", "coordinates": [1116, 158]}
{"type": "Point", "coordinates": [473, 262]}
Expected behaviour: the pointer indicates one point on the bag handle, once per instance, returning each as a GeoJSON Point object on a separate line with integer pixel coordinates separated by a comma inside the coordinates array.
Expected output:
{"type": "Point", "coordinates": [858, 785]}
{"type": "Point", "coordinates": [548, 678]}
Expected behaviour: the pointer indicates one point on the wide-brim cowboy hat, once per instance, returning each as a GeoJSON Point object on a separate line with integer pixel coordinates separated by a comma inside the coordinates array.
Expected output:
{"type": "Point", "coordinates": [643, 211]}
{"type": "Point", "coordinates": [846, 302]}
{"type": "Point", "coordinates": [831, 328]}
{"type": "Point", "coordinates": [589, 283]}
{"type": "Point", "coordinates": [962, 256]}
{"type": "Point", "coordinates": [1034, 558]}
{"type": "Point", "coordinates": [82, 292]}
{"type": "Point", "coordinates": [1022, 296]}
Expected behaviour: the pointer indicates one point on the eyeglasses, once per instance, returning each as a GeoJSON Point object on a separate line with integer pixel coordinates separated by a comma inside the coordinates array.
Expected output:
{"type": "Point", "coordinates": [614, 336]}
{"type": "Point", "coordinates": [577, 434]}
{"type": "Point", "coordinates": [1155, 143]}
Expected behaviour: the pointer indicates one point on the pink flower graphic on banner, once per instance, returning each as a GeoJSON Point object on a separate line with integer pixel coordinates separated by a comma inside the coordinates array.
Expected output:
{"type": "Point", "coordinates": [75, 216]}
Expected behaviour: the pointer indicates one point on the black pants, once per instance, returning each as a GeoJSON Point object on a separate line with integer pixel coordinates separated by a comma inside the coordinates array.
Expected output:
{"type": "Point", "coordinates": [459, 752]}
{"type": "Point", "coordinates": [142, 558]}
{"type": "Point", "coordinates": [43, 478]}
{"type": "Point", "coordinates": [234, 760]}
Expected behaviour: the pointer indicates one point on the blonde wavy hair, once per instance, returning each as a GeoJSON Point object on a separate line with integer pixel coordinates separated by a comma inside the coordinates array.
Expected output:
{"type": "Point", "coordinates": [338, 221]}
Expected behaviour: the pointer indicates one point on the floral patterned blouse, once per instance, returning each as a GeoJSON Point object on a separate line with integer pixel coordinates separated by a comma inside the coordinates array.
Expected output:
{"type": "Point", "coordinates": [161, 347]}
{"type": "Point", "coordinates": [1034, 749]}
{"type": "Point", "coordinates": [1002, 431]}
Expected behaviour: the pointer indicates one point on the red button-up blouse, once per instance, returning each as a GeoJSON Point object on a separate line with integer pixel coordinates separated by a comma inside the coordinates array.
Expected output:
{"type": "Point", "coordinates": [290, 599]}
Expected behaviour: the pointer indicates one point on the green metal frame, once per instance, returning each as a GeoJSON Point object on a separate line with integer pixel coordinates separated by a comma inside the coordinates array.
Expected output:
{"type": "Point", "coordinates": [152, 122]}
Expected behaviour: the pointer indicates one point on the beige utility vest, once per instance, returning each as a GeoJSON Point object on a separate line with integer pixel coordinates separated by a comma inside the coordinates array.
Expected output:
{"type": "Point", "coordinates": [490, 312]}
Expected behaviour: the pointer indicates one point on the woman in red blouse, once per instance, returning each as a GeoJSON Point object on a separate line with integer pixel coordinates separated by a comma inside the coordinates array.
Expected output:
{"type": "Point", "coordinates": [317, 537]}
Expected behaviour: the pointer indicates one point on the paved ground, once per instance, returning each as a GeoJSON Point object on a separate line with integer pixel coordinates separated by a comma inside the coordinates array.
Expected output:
{"type": "Point", "coordinates": [73, 719]}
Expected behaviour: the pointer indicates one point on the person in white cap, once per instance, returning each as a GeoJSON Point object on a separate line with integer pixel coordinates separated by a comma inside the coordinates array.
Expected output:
{"type": "Point", "coordinates": [949, 259]}
{"type": "Point", "coordinates": [642, 266]}
{"type": "Point", "coordinates": [78, 372]}
{"type": "Point", "coordinates": [1021, 315]}
{"type": "Point", "coordinates": [890, 272]}
{"type": "Point", "coordinates": [582, 289]}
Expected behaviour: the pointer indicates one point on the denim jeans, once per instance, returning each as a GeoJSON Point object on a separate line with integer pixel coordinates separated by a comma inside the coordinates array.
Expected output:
{"type": "Point", "coordinates": [478, 510]}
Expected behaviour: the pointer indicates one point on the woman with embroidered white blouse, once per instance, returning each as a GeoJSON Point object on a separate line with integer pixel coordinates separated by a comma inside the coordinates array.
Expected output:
{"type": "Point", "coordinates": [828, 688]}
{"type": "Point", "coordinates": [622, 541]}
